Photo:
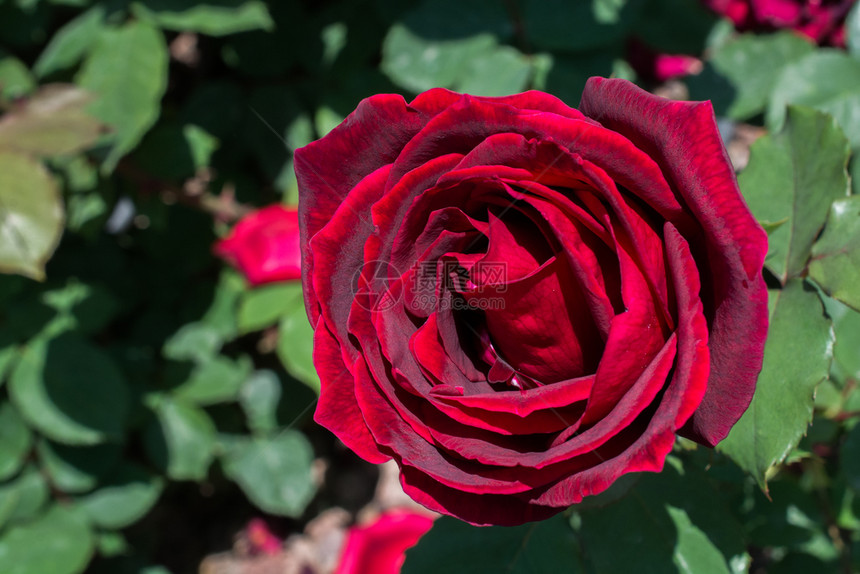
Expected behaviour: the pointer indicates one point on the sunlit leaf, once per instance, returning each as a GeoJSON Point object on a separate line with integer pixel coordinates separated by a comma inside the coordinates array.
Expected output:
{"type": "Point", "coordinates": [827, 80]}
{"type": "Point", "coordinates": [214, 17]}
{"type": "Point", "coordinates": [797, 358]}
{"type": "Point", "coordinates": [295, 346]}
{"type": "Point", "coordinates": [274, 473]}
{"type": "Point", "coordinates": [58, 542]}
{"type": "Point", "coordinates": [835, 261]}
{"type": "Point", "coordinates": [70, 43]}
{"type": "Point", "coordinates": [259, 397]}
{"type": "Point", "coordinates": [15, 443]}
{"type": "Point", "coordinates": [31, 215]}
{"type": "Point", "coordinates": [752, 63]}
{"type": "Point", "coordinates": [77, 469]}
{"type": "Point", "coordinates": [187, 436]}
{"type": "Point", "coordinates": [70, 390]}
{"type": "Point", "coordinates": [793, 177]}
{"type": "Point", "coordinates": [127, 70]}
{"type": "Point", "coordinates": [123, 499]}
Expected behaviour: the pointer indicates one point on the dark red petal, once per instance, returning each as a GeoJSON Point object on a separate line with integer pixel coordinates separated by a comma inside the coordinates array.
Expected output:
{"type": "Point", "coordinates": [477, 509]}
{"type": "Point", "coordinates": [652, 444]}
{"type": "Point", "coordinates": [555, 460]}
{"type": "Point", "coordinates": [338, 251]}
{"type": "Point", "coordinates": [683, 138]}
{"type": "Point", "coordinates": [337, 409]}
{"type": "Point", "coordinates": [694, 356]}
{"type": "Point", "coordinates": [427, 348]}
{"type": "Point", "coordinates": [369, 138]}
{"type": "Point", "coordinates": [541, 325]}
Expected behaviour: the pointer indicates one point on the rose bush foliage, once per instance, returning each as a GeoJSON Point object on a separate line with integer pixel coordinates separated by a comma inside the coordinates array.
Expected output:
{"type": "Point", "coordinates": [594, 288]}
{"type": "Point", "coordinates": [821, 20]}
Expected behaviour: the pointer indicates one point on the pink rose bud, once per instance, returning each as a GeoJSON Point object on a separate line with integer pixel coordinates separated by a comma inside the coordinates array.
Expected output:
{"type": "Point", "coordinates": [264, 245]}
{"type": "Point", "coordinates": [380, 547]}
{"type": "Point", "coordinates": [654, 65]}
{"type": "Point", "coordinates": [670, 66]}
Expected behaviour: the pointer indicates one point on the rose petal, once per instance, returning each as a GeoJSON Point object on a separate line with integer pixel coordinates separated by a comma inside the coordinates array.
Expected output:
{"type": "Point", "coordinates": [337, 409]}
{"type": "Point", "coordinates": [734, 244]}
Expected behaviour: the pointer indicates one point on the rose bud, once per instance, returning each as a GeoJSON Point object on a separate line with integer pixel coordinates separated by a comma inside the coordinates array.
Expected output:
{"type": "Point", "coordinates": [380, 547]}
{"type": "Point", "coordinates": [658, 66]}
{"type": "Point", "coordinates": [520, 302]}
{"type": "Point", "coordinates": [264, 245]}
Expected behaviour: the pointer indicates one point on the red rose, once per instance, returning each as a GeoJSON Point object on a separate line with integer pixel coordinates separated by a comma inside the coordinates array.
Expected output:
{"type": "Point", "coordinates": [821, 20]}
{"type": "Point", "coordinates": [380, 548]}
{"type": "Point", "coordinates": [264, 245]}
{"type": "Point", "coordinates": [520, 302]}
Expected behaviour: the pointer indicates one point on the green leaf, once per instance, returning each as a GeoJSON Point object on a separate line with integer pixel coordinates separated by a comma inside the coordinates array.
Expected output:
{"type": "Point", "coordinates": [15, 79]}
{"type": "Point", "coordinates": [259, 397]}
{"type": "Point", "coordinates": [214, 381]}
{"type": "Point", "coordinates": [70, 43]}
{"type": "Point", "coordinates": [23, 497]}
{"type": "Point", "coordinates": [122, 500]}
{"type": "Point", "coordinates": [86, 308]}
{"type": "Point", "coordinates": [274, 473]}
{"type": "Point", "coordinates": [752, 63]}
{"type": "Point", "coordinates": [31, 215]}
{"type": "Point", "coordinates": [852, 31]}
{"type": "Point", "coordinates": [70, 390]}
{"type": "Point", "coordinates": [16, 441]}
{"type": "Point", "coordinates": [77, 469]}
{"type": "Point", "coordinates": [263, 306]}
{"type": "Point", "coordinates": [221, 315]}
{"type": "Point", "coordinates": [182, 440]}
{"type": "Point", "coordinates": [127, 70]}
{"type": "Point", "coordinates": [457, 547]}
{"type": "Point", "coordinates": [59, 542]}
{"type": "Point", "coordinates": [214, 17]}
{"type": "Point", "coordinates": [296, 345]}
{"type": "Point", "coordinates": [827, 80]}
{"type": "Point", "coordinates": [846, 325]}
{"type": "Point", "coordinates": [794, 176]}
{"type": "Point", "coordinates": [500, 72]}
{"type": "Point", "coordinates": [835, 261]}
{"type": "Point", "coordinates": [112, 544]}
{"type": "Point", "coordinates": [196, 341]}
{"type": "Point", "coordinates": [797, 358]}
{"type": "Point", "coordinates": [607, 11]}
{"type": "Point", "coordinates": [669, 522]}
{"type": "Point", "coordinates": [418, 63]}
